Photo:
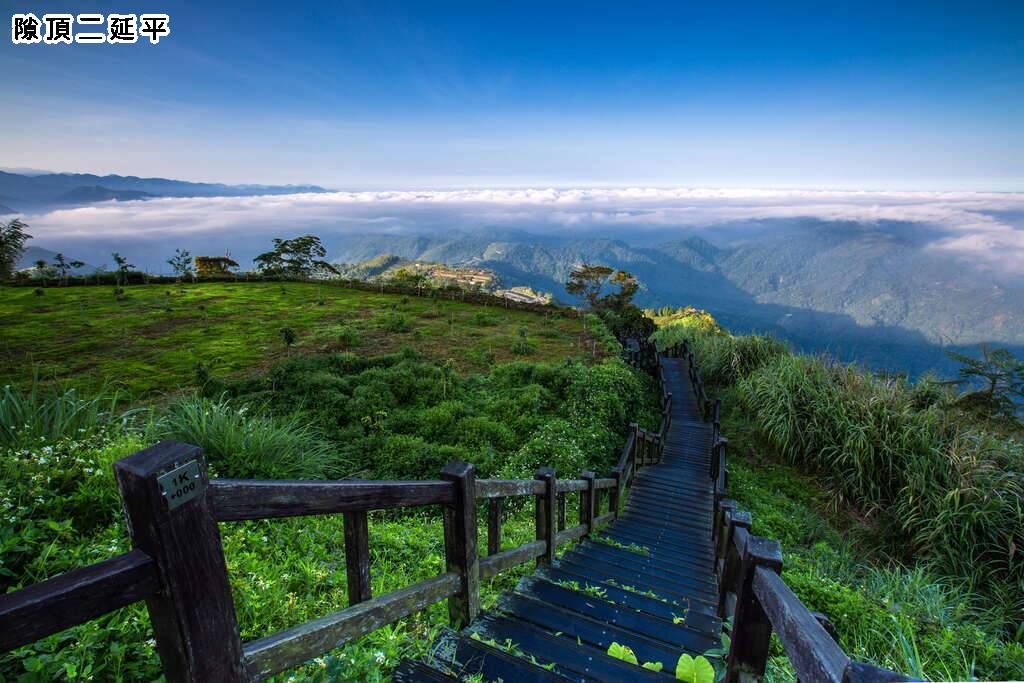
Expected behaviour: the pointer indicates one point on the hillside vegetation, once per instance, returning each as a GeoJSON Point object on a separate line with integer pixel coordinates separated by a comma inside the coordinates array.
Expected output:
{"type": "Point", "coordinates": [150, 338]}
{"type": "Point", "coordinates": [302, 413]}
{"type": "Point", "coordinates": [934, 492]}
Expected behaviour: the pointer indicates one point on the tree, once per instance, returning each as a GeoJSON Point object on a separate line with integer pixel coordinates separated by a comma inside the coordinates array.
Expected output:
{"type": "Point", "coordinates": [215, 265]}
{"type": "Point", "coordinates": [123, 268]}
{"type": "Point", "coordinates": [63, 267]}
{"type": "Point", "coordinates": [42, 270]}
{"type": "Point", "coordinates": [1001, 376]}
{"type": "Point", "coordinates": [297, 257]}
{"type": "Point", "coordinates": [12, 246]}
{"type": "Point", "coordinates": [586, 282]}
{"type": "Point", "coordinates": [181, 263]}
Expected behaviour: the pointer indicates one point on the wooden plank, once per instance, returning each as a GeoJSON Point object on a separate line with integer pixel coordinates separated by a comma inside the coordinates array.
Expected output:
{"type": "Point", "coordinates": [76, 597]}
{"type": "Point", "coordinates": [283, 650]}
{"type": "Point", "coordinates": [239, 499]}
{"type": "Point", "coordinates": [508, 488]}
{"type": "Point", "coordinates": [601, 520]}
{"type": "Point", "coordinates": [460, 543]}
{"type": "Point", "coordinates": [815, 656]}
{"type": "Point", "coordinates": [560, 497]}
{"type": "Point", "coordinates": [494, 525]}
{"type": "Point", "coordinates": [571, 534]}
{"type": "Point", "coordinates": [193, 614]}
{"type": "Point", "coordinates": [357, 557]}
{"type": "Point", "coordinates": [570, 485]}
{"type": "Point", "coordinates": [604, 483]}
{"type": "Point", "coordinates": [506, 559]}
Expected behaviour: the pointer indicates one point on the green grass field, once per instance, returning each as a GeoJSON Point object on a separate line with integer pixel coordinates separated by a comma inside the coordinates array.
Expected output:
{"type": "Point", "coordinates": [153, 337]}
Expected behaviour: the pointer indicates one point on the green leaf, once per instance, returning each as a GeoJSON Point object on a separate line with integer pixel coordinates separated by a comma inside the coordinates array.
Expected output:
{"type": "Point", "coordinates": [684, 669]}
{"type": "Point", "coordinates": [653, 666]}
{"type": "Point", "coordinates": [703, 671]}
{"type": "Point", "coordinates": [622, 652]}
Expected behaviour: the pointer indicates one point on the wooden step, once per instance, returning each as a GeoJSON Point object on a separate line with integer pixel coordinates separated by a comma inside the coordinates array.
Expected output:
{"type": "Point", "coordinates": [572, 659]}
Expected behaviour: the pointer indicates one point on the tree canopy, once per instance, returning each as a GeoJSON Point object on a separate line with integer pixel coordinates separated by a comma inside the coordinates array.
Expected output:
{"type": "Point", "coordinates": [1001, 377]}
{"type": "Point", "coordinates": [298, 257]}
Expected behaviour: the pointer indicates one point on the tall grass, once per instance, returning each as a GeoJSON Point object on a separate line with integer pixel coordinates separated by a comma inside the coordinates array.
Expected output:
{"type": "Point", "coordinates": [242, 443]}
{"type": "Point", "coordinates": [48, 412]}
{"type": "Point", "coordinates": [722, 358]}
{"type": "Point", "coordinates": [951, 490]}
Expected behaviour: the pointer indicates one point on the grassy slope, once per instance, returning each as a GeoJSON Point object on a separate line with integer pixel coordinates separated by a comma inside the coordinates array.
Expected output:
{"type": "Point", "coordinates": [283, 572]}
{"type": "Point", "coordinates": [153, 338]}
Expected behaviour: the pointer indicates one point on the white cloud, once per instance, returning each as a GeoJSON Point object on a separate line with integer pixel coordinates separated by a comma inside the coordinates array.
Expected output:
{"type": "Point", "coordinates": [969, 221]}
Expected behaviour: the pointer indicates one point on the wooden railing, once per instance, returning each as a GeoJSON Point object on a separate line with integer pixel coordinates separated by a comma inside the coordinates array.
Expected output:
{"type": "Point", "coordinates": [752, 592]}
{"type": "Point", "coordinates": [178, 567]}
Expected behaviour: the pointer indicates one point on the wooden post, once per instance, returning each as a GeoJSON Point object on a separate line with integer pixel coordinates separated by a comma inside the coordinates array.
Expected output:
{"type": "Point", "coordinates": [561, 511]}
{"type": "Point", "coordinates": [719, 523]}
{"type": "Point", "coordinates": [494, 526]}
{"type": "Point", "coordinates": [587, 502]}
{"type": "Point", "coordinates": [460, 543]}
{"type": "Point", "coordinates": [545, 514]}
{"type": "Point", "coordinates": [357, 557]}
{"type": "Point", "coordinates": [729, 574]}
{"type": "Point", "coordinates": [165, 490]}
{"type": "Point", "coordinates": [615, 497]}
{"type": "Point", "coordinates": [752, 630]}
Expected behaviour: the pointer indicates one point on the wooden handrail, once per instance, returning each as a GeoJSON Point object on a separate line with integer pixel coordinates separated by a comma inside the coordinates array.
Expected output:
{"type": "Point", "coordinates": [275, 653]}
{"type": "Point", "coordinates": [75, 597]}
{"type": "Point", "coordinates": [241, 499]}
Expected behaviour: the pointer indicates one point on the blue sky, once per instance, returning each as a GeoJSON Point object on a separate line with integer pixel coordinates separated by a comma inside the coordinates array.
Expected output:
{"type": "Point", "coordinates": [382, 95]}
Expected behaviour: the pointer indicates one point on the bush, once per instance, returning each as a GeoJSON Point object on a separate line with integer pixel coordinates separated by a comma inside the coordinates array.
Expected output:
{"type": "Point", "coordinates": [396, 322]}
{"type": "Point", "coordinates": [240, 443]}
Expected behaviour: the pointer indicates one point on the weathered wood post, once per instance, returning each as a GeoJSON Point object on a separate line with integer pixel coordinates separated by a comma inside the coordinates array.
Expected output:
{"type": "Point", "coordinates": [545, 514]}
{"type": "Point", "coordinates": [737, 523]}
{"type": "Point", "coordinates": [615, 495]}
{"type": "Point", "coordinates": [493, 526]}
{"type": "Point", "coordinates": [165, 490]}
{"type": "Point", "coordinates": [587, 502]}
{"type": "Point", "coordinates": [460, 543]}
{"type": "Point", "coordinates": [561, 511]}
{"type": "Point", "coordinates": [357, 556]}
{"type": "Point", "coordinates": [752, 630]}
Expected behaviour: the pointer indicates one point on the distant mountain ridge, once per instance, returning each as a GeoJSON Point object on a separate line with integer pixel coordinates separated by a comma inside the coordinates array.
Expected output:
{"type": "Point", "coordinates": [859, 293]}
{"type": "Point", "coordinates": [61, 189]}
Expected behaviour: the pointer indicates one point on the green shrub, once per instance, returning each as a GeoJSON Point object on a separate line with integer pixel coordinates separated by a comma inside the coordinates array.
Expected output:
{"type": "Point", "coordinates": [396, 322]}
{"type": "Point", "coordinates": [241, 443]}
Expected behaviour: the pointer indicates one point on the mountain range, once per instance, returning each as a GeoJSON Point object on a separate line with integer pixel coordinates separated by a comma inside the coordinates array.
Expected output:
{"type": "Point", "coordinates": [866, 293]}
{"type": "Point", "coordinates": [24, 192]}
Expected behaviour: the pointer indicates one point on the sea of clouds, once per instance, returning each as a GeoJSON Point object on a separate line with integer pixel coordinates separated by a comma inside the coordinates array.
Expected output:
{"type": "Point", "coordinates": [984, 228]}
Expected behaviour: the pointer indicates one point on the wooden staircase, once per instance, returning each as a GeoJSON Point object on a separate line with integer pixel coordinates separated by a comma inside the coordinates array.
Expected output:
{"type": "Point", "coordinates": [650, 583]}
